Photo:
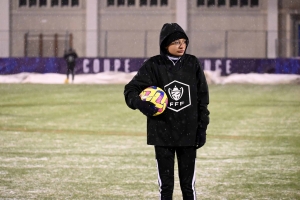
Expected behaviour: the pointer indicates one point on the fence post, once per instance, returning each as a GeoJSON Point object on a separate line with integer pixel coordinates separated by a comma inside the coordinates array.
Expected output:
{"type": "Point", "coordinates": [55, 45]}
{"type": "Point", "coordinates": [105, 44]}
{"type": "Point", "coordinates": [26, 44]}
{"type": "Point", "coordinates": [70, 40]}
{"type": "Point", "coordinates": [226, 44]}
{"type": "Point", "coordinates": [145, 47]}
{"type": "Point", "coordinates": [66, 40]}
{"type": "Point", "coordinates": [41, 45]}
{"type": "Point", "coordinates": [267, 44]}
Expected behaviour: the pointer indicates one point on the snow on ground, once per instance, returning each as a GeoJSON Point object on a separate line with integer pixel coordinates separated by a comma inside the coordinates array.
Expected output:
{"type": "Point", "coordinates": [122, 78]}
{"type": "Point", "coordinates": [252, 78]}
{"type": "Point", "coordinates": [52, 78]}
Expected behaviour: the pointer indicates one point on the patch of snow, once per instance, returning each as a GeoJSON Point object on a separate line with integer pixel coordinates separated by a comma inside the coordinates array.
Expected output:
{"type": "Point", "coordinates": [123, 78]}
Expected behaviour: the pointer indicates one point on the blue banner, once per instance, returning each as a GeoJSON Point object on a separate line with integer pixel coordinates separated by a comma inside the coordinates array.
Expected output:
{"type": "Point", "coordinates": [225, 66]}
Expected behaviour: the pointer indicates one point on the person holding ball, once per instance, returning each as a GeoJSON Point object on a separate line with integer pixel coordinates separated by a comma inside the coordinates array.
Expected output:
{"type": "Point", "coordinates": [181, 128]}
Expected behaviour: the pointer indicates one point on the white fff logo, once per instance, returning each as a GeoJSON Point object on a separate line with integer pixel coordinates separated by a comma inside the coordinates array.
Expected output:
{"type": "Point", "coordinates": [175, 93]}
{"type": "Point", "coordinates": [178, 94]}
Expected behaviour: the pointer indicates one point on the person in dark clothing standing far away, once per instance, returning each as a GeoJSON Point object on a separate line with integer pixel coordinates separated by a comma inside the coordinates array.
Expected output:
{"type": "Point", "coordinates": [70, 56]}
{"type": "Point", "coordinates": [181, 128]}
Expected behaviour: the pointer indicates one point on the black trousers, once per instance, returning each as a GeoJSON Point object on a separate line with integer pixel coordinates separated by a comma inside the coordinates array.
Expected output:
{"type": "Point", "coordinates": [186, 157]}
{"type": "Point", "coordinates": [70, 69]}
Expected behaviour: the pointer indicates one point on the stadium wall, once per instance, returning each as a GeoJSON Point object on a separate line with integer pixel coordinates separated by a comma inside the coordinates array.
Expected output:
{"type": "Point", "coordinates": [111, 28]}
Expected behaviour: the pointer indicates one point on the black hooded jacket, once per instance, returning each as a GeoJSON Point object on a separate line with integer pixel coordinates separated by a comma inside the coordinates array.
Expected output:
{"type": "Point", "coordinates": [187, 111]}
{"type": "Point", "coordinates": [70, 56]}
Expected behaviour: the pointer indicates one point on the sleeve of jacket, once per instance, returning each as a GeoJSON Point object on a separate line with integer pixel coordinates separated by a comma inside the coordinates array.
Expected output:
{"type": "Point", "coordinates": [143, 79]}
{"type": "Point", "coordinates": [203, 98]}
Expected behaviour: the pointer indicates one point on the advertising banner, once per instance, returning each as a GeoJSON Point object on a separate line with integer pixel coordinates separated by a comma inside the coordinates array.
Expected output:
{"type": "Point", "coordinates": [225, 66]}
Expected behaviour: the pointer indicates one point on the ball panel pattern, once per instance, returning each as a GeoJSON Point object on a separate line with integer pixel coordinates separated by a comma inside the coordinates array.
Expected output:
{"type": "Point", "coordinates": [156, 96]}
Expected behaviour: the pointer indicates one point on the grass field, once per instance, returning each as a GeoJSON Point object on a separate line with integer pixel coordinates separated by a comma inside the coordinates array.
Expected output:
{"type": "Point", "coordinates": [83, 142]}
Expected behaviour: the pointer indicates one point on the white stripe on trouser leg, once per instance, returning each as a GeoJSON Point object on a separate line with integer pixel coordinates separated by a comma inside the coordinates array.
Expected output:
{"type": "Point", "coordinates": [194, 180]}
{"type": "Point", "coordinates": [159, 180]}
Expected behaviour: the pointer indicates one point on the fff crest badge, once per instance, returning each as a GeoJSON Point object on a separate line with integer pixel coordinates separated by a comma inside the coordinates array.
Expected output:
{"type": "Point", "coordinates": [179, 95]}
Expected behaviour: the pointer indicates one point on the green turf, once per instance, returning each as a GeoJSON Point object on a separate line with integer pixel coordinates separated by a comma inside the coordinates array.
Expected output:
{"type": "Point", "coordinates": [83, 142]}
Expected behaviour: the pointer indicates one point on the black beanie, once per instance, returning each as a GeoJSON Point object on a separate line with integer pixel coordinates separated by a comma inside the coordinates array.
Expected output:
{"type": "Point", "coordinates": [174, 36]}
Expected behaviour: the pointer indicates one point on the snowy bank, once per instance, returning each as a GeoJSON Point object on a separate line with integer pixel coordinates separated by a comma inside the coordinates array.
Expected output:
{"type": "Point", "coordinates": [252, 78]}
{"type": "Point", "coordinates": [122, 78]}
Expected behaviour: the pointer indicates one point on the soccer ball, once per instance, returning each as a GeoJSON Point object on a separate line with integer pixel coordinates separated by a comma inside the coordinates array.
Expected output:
{"type": "Point", "coordinates": [156, 96]}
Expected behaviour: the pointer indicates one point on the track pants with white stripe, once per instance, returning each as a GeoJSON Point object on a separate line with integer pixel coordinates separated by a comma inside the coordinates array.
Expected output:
{"type": "Point", "coordinates": [186, 157]}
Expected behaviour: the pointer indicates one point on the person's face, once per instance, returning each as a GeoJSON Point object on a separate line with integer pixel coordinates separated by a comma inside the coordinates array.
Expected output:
{"type": "Point", "coordinates": [177, 48]}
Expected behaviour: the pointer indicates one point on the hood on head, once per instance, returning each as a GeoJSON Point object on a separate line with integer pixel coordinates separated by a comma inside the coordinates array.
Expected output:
{"type": "Point", "coordinates": [167, 30]}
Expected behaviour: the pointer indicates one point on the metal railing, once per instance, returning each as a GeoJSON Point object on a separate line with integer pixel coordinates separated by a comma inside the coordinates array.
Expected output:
{"type": "Point", "coordinates": [138, 43]}
{"type": "Point", "coordinates": [43, 45]}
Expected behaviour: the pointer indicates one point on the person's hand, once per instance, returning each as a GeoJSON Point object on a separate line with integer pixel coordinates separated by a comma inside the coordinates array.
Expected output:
{"type": "Point", "coordinates": [146, 107]}
{"type": "Point", "coordinates": [200, 138]}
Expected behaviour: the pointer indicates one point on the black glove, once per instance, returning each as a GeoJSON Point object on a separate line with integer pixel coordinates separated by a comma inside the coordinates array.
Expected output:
{"type": "Point", "coordinates": [200, 138]}
{"type": "Point", "coordinates": [146, 107]}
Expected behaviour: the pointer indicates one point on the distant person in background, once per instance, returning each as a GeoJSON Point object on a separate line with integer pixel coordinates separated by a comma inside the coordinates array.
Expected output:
{"type": "Point", "coordinates": [70, 56]}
